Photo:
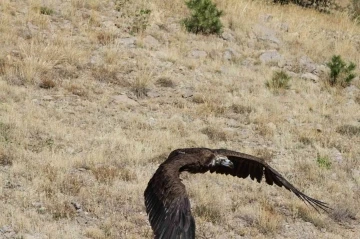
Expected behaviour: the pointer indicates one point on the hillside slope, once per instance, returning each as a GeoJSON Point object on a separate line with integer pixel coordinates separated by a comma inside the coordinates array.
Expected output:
{"type": "Point", "coordinates": [95, 94]}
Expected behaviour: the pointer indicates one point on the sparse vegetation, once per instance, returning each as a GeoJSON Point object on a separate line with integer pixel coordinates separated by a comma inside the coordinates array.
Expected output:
{"type": "Point", "coordinates": [205, 17]}
{"type": "Point", "coordinates": [340, 73]}
{"type": "Point", "coordinates": [323, 161]}
{"type": "Point", "coordinates": [140, 21]}
{"type": "Point", "coordinates": [46, 11]}
{"type": "Point", "coordinates": [47, 84]}
{"type": "Point", "coordinates": [280, 80]}
{"type": "Point", "coordinates": [348, 130]}
{"type": "Point", "coordinates": [76, 154]}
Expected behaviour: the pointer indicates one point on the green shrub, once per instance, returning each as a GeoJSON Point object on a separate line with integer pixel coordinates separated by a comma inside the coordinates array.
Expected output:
{"type": "Point", "coordinates": [46, 11]}
{"type": "Point", "coordinates": [323, 162]}
{"type": "Point", "coordinates": [279, 80]}
{"type": "Point", "coordinates": [205, 17]}
{"type": "Point", "coordinates": [340, 72]}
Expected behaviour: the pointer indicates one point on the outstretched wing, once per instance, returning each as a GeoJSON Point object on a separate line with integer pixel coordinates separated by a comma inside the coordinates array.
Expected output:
{"type": "Point", "coordinates": [168, 205]}
{"type": "Point", "coordinates": [245, 165]}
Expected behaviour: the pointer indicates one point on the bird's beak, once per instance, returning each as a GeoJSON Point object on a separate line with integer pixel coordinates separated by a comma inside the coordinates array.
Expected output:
{"type": "Point", "coordinates": [227, 163]}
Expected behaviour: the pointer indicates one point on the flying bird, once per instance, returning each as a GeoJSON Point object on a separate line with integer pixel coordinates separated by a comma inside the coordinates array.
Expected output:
{"type": "Point", "coordinates": [167, 202]}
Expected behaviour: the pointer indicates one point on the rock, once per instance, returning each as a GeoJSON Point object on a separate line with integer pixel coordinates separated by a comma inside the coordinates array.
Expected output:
{"type": "Point", "coordinates": [319, 128]}
{"type": "Point", "coordinates": [284, 27]}
{"type": "Point", "coordinates": [129, 42]}
{"type": "Point", "coordinates": [77, 206]}
{"type": "Point", "coordinates": [336, 155]}
{"type": "Point", "coordinates": [265, 17]}
{"type": "Point", "coordinates": [227, 36]}
{"type": "Point", "coordinates": [151, 42]}
{"type": "Point", "coordinates": [285, 64]}
{"type": "Point", "coordinates": [110, 26]}
{"type": "Point", "coordinates": [307, 65]}
{"type": "Point", "coordinates": [265, 34]}
{"type": "Point", "coordinates": [187, 93]}
{"type": "Point", "coordinates": [322, 69]}
{"type": "Point", "coordinates": [271, 126]}
{"type": "Point", "coordinates": [153, 94]}
{"type": "Point", "coordinates": [48, 98]}
{"type": "Point", "coordinates": [310, 76]}
{"type": "Point", "coordinates": [33, 236]}
{"type": "Point", "coordinates": [198, 54]}
{"type": "Point", "coordinates": [270, 56]}
{"type": "Point", "coordinates": [7, 232]}
{"type": "Point", "coordinates": [124, 99]}
{"type": "Point", "coordinates": [230, 54]}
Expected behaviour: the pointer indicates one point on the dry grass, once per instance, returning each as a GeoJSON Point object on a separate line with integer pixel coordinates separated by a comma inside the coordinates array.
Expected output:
{"type": "Point", "coordinates": [75, 159]}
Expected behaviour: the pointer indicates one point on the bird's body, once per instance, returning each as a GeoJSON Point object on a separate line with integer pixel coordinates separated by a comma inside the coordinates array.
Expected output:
{"type": "Point", "coordinates": [167, 202]}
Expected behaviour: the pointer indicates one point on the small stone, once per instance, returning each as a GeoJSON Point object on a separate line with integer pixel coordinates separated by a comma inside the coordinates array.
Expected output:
{"type": "Point", "coordinates": [336, 155]}
{"type": "Point", "coordinates": [152, 94]}
{"type": "Point", "coordinates": [129, 42]}
{"type": "Point", "coordinates": [124, 99]}
{"type": "Point", "coordinates": [187, 94]}
{"type": "Point", "coordinates": [151, 42]}
{"type": "Point", "coordinates": [266, 18]}
{"type": "Point", "coordinates": [319, 128]}
{"type": "Point", "coordinates": [310, 76]}
{"type": "Point", "coordinates": [47, 98]}
{"type": "Point", "coordinates": [229, 54]}
{"type": "Point", "coordinates": [227, 36]}
{"type": "Point", "coordinates": [198, 54]}
{"type": "Point", "coordinates": [270, 56]}
{"type": "Point", "coordinates": [77, 206]}
{"type": "Point", "coordinates": [307, 64]}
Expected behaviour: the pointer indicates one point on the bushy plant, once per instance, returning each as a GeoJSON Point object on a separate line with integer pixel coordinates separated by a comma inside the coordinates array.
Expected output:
{"type": "Point", "coordinates": [205, 17]}
{"type": "Point", "coordinates": [340, 72]}
{"type": "Point", "coordinates": [279, 80]}
{"type": "Point", "coordinates": [323, 162]}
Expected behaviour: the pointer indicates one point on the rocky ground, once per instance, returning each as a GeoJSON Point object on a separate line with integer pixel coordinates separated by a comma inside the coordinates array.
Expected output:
{"type": "Point", "coordinates": [95, 94]}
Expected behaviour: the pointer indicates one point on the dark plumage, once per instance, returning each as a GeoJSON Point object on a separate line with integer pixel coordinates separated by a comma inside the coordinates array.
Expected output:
{"type": "Point", "coordinates": [167, 202]}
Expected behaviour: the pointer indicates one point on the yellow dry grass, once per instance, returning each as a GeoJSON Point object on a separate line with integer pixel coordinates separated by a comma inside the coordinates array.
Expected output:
{"type": "Point", "coordinates": [75, 160]}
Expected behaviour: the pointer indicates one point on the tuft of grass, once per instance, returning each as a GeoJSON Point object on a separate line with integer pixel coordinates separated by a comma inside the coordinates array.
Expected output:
{"type": "Point", "coordinates": [76, 90]}
{"type": "Point", "coordinates": [280, 80]}
{"type": "Point", "coordinates": [140, 86]}
{"type": "Point", "coordinates": [308, 215]}
{"type": "Point", "coordinates": [268, 221]}
{"type": "Point", "coordinates": [165, 82]}
{"type": "Point", "coordinates": [105, 173]}
{"type": "Point", "coordinates": [46, 11]}
{"type": "Point", "coordinates": [6, 159]}
{"type": "Point", "coordinates": [5, 132]}
{"type": "Point", "coordinates": [72, 184]}
{"type": "Point", "coordinates": [62, 210]}
{"type": "Point", "coordinates": [343, 214]}
{"type": "Point", "coordinates": [323, 161]}
{"type": "Point", "coordinates": [209, 212]}
{"type": "Point", "coordinates": [241, 109]}
{"type": "Point", "coordinates": [214, 133]}
{"type": "Point", "coordinates": [105, 38]}
{"type": "Point", "coordinates": [47, 83]}
{"type": "Point", "coordinates": [348, 130]}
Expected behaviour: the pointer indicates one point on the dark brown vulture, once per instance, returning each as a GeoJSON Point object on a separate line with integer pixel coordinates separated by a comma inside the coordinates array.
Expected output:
{"type": "Point", "coordinates": [167, 202]}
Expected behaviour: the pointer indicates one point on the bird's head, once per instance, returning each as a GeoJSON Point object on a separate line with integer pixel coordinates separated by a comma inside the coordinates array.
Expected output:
{"type": "Point", "coordinates": [220, 160]}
